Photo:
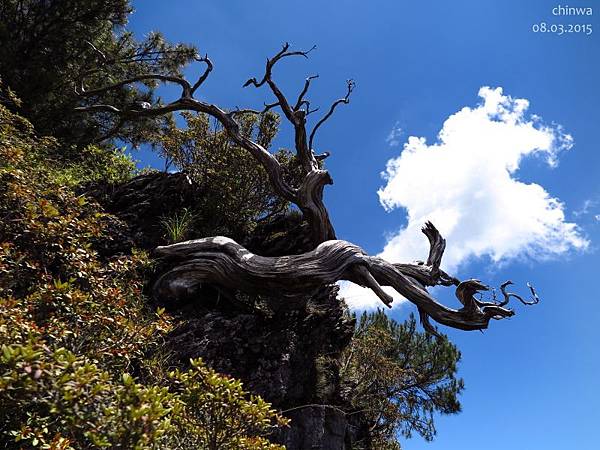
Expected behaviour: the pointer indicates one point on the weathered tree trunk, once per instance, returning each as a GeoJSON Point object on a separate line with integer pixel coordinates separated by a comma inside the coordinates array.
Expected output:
{"type": "Point", "coordinates": [223, 262]}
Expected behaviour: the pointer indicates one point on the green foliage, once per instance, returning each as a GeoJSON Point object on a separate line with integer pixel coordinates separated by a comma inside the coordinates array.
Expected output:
{"type": "Point", "coordinates": [235, 190]}
{"type": "Point", "coordinates": [93, 164]}
{"type": "Point", "coordinates": [80, 363]}
{"type": "Point", "coordinates": [54, 44]}
{"type": "Point", "coordinates": [227, 418]}
{"type": "Point", "coordinates": [65, 398]}
{"type": "Point", "coordinates": [55, 399]}
{"type": "Point", "coordinates": [400, 377]}
{"type": "Point", "coordinates": [178, 226]}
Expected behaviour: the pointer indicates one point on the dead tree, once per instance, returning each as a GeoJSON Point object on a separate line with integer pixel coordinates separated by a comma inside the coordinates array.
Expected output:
{"type": "Point", "coordinates": [223, 262]}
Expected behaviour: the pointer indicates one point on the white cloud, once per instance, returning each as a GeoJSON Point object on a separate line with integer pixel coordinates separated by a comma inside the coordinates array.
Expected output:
{"type": "Point", "coordinates": [466, 184]}
{"type": "Point", "coordinates": [586, 208]}
{"type": "Point", "coordinates": [393, 138]}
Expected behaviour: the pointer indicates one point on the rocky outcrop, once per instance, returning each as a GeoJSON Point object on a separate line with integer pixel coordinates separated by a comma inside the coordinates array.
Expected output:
{"type": "Point", "coordinates": [286, 355]}
{"type": "Point", "coordinates": [142, 202]}
{"type": "Point", "coordinates": [278, 356]}
{"type": "Point", "coordinates": [317, 427]}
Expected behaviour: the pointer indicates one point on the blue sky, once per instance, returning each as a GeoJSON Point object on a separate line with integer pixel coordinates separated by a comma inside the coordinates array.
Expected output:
{"type": "Point", "coordinates": [532, 381]}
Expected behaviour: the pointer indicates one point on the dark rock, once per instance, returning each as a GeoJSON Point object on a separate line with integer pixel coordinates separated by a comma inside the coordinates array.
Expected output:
{"type": "Point", "coordinates": [324, 427]}
{"type": "Point", "coordinates": [276, 356]}
{"type": "Point", "coordinates": [286, 355]}
{"type": "Point", "coordinates": [144, 201]}
{"type": "Point", "coordinates": [284, 235]}
{"type": "Point", "coordinates": [317, 427]}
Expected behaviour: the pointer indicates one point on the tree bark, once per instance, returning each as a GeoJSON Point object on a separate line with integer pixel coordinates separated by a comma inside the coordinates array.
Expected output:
{"type": "Point", "coordinates": [223, 262]}
{"type": "Point", "coordinates": [309, 195]}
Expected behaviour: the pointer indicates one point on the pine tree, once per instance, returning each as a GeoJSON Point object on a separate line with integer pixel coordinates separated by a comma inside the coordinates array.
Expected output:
{"type": "Point", "coordinates": [50, 46]}
{"type": "Point", "coordinates": [399, 377]}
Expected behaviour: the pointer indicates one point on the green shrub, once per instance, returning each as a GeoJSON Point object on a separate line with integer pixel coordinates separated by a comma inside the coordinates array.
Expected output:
{"type": "Point", "coordinates": [79, 344]}
{"type": "Point", "coordinates": [227, 417]}
{"type": "Point", "coordinates": [234, 189]}
{"type": "Point", "coordinates": [94, 164]}
{"type": "Point", "coordinates": [68, 402]}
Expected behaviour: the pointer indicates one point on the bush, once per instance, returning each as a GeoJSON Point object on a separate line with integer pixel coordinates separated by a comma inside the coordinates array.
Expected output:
{"type": "Point", "coordinates": [227, 418]}
{"type": "Point", "coordinates": [80, 363]}
{"type": "Point", "coordinates": [234, 189]}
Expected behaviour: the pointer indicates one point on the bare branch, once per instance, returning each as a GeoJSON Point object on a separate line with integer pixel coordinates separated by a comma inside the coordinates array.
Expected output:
{"type": "Point", "coordinates": [345, 100]}
{"type": "Point", "coordinates": [164, 78]}
{"type": "Point", "coordinates": [362, 274]}
{"type": "Point", "coordinates": [271, 62]}
{"type": "Point", "coordinates": [308, 110]}
{"type": "Point", "coordinates": [308, 197]}
{"type": "Point", "coordinates": [507, 295]}
{"type": "Point", "coordinates": [269, 106]}
{"type": "Point", "coordinates": [300, 100]}
{"type": "Point", "coordinates": [204, 76]}
{"type": "Point", "coordinates": [322, 156]}
{"type": "Point", "coordinates": [267, 78]}
{"type": "Point", "coordinates": [294, 115]}
{"type": "Point", "coordinates": [187, 89]}
{"type": "Point", "coordinates": [224, 262]}
{"type": "Point", "coordinates": [241, 112]}
{"type": "Point", "coordinates": [96, 50]}
{"type": "Point", "coordinates": [437, 245]}
{"type": "Point", "coordinates": [426, 324]}
{"type": "Point", "coordinates": [99, 108]}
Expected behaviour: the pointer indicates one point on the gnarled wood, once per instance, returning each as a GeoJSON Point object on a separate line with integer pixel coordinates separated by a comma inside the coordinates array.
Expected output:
{"type": "Point", "coordinates": [309, 195]}
{"type": "Point", "coordinates": [225, 263]}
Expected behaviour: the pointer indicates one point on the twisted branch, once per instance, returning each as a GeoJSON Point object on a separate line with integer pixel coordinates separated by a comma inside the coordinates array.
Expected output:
{"type": "Point", "coordinates": [301, 100]}
{"type": "Point", "coordinates": [308, 196]}
{"type": "Point", "coordinates": [294, 115]}
{"type": "Point", "coordinates": [204, 76]}
{"type": "Point", "coordinates": [345, 100]}
{"type": "Point", "coordinates": [507, 295]}
{"type": "Point", "coordinates": [222, 261]}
